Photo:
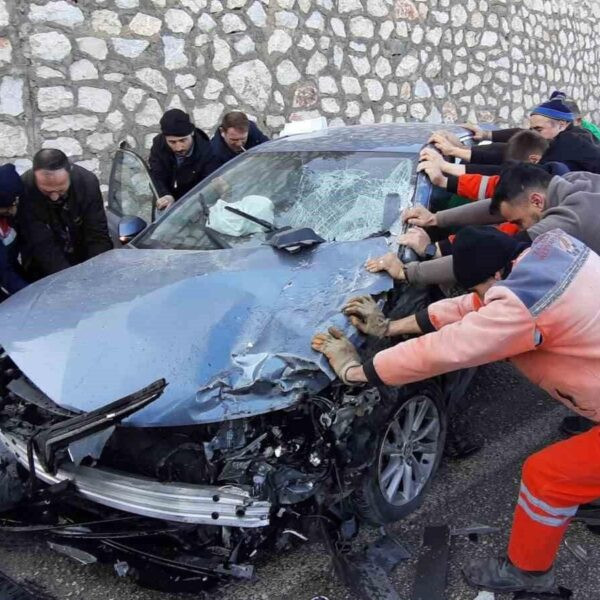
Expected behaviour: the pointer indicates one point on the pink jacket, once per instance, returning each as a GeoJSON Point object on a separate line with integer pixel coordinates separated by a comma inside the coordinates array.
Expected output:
{"type": "Point", "coordinates": [545, 318]}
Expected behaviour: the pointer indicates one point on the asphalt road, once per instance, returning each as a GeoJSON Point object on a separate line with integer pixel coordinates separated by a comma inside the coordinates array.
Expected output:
{"type": "Point", "coordinates": [516, 419]}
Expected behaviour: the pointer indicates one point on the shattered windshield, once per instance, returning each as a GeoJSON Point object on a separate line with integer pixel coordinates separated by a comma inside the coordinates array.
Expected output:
{"type": "Point", "coordinates": [343, 196]}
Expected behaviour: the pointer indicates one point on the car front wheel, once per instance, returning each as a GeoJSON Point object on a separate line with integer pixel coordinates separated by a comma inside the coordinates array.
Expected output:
{"type": "Point", "coordinates": [409, 450]}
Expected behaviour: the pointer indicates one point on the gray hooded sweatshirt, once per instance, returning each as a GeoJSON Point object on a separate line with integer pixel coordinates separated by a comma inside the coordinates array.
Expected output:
{"type": "Point", "coordinates": [572, 204]}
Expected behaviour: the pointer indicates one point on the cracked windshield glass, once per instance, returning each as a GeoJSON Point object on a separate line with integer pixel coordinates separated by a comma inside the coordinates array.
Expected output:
{"type": "Point", "coordinates": [343, 196]}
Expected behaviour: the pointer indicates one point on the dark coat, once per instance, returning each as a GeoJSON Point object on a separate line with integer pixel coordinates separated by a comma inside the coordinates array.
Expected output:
{"type": "Point", "coordinates": [570, 147]}
{"type": "Point", "coordinates": [223, 153]}
{"type": "Point", "coordinates": [55, 236]}
{"type": "Point", "coordinates": [11, 278]}
{"type": "Point", "coordinates": [170, 179]}
{"type": "Point", "coordinates": [503, 135]}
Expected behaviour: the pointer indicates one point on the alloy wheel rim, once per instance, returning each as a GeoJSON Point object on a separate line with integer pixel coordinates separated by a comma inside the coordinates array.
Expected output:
{"type": "Point", "coordinates": [408, 453]}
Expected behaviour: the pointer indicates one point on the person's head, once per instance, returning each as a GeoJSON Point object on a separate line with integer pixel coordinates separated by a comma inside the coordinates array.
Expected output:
{"type": "Point", "coordinates": [481, 256]}
{"type": "Point", "coordinates": [52, 173]}
{"type": "Point", "coordinates": [234, 130]}
{"type": "Point", "coordinates": [571, 105]}
{"type": "Point", "coordinates": [550, 118]}
{"type": "Point", "coordinates": [574, 108]}
{"type": "Point", "coordinates": [11, 188]}
{"type": "Point", "coordinates": [526, 146]}
{"type": "Point", "coordinates": [520, 196]}
{"type": "Point", "coordinates": [178, 130]}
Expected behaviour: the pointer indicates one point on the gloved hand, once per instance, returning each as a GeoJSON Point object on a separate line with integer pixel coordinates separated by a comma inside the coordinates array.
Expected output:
{"type": "Point", "coordinates": [338, 349]}
{"type": "Point", "coordinates": [366, 316]}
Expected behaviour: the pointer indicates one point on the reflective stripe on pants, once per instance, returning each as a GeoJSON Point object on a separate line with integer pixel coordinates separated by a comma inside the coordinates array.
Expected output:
{"type": "Point", "coordinates": [555, 482]}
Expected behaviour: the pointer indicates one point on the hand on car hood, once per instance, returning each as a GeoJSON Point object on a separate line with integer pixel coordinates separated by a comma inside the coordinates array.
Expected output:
{"type": "Point", "coordinates": [229, 330]}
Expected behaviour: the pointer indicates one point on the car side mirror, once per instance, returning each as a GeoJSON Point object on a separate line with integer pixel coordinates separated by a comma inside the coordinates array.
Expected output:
{"type": "Point", "coordinates": [129, 227]}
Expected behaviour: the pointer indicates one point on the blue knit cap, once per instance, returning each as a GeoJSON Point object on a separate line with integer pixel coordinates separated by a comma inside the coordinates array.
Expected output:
{"type": "Point", "coordinates": [554, 109]}
{"type": "Point", "coordinates": [11, 185]}
{"type": "Point", "coordinates": [556, 94]}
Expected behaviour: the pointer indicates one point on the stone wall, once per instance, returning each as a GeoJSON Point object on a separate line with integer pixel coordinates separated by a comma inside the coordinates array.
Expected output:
{"type": "Point", "coordinates": [84, 75]}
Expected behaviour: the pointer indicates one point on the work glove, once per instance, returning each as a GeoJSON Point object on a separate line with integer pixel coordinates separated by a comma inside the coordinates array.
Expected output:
{"type": "Point", "coordinates": [366, 316]}
{"type": "Point", "coordinates": [339, 350]}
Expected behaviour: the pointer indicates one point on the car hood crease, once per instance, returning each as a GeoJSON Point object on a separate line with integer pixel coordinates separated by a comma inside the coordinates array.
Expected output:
{"type": "Point", "coordinates": [229, 330]}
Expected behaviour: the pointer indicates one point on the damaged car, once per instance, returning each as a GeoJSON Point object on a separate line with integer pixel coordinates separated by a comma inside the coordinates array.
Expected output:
{"type": "Point", "coordinates": [168, 390]}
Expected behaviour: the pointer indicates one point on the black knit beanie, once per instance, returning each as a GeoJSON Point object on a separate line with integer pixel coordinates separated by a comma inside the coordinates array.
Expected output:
{"type": "Point", "coordinates": [11, 185]}
{"type": "Point", "coordinates": [176, 122]}
{"type": "Point", "coordinates": [480, 252]}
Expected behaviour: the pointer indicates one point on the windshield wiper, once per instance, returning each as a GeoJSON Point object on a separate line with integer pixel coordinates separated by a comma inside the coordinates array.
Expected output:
{"type": "Point", "coordinates": [216, 238]}
{"type": "Point", "coordinates": [268, 226]}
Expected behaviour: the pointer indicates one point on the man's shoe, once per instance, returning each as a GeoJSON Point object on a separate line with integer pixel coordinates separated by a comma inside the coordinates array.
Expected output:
{"type": "Point", "coordinates": [500, 575]}
{"type": "Point", "coordinates": [575, 425]}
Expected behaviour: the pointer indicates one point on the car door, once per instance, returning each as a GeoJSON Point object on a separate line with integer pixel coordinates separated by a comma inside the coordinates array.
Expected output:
{"type": "Point", "coordinates": [130, 190]}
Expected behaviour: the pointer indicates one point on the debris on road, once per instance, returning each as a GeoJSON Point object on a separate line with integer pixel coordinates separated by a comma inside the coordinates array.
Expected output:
{"type": "Point", "coordinates": [11, 590]}
{"type": "Point", "coordinates": [577, 550]}
{"type": "Point", "coordinates": [432, 567]}
{"type": "Point", "coordinates": [474, 531]}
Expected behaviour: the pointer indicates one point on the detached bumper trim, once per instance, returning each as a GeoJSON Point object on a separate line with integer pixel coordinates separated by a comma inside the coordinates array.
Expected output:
{"type": "Point", "coordinates": [182, 502]}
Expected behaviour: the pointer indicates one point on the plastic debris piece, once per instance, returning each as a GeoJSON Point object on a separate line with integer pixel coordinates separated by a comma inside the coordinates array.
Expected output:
{"type": "Point", "coordinates": [485, 596]}
{"type": "Point", "coordinates": [81, 556]}
{"type": "Point", "coordinates": [432, 566]}
{"type": "Point", "coordinates": [561, 593]}
{"type": "Point", "coordinates": [11, 590]}
{"type": "Point", "coordinates": [121, 568]}
{"type": "Point", "coordinates": [475, 529]}
{"type": "Point", "coordinates": [577, 550]}
{"type": "Point", "coordinates": [387, 552]}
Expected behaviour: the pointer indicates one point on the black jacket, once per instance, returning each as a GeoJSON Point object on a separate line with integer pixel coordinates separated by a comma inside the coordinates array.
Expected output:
{"type": "Point", "coordinates": [55, 236]}
{"type": "Point", "coordinates": [503, 135]}
{"type": "Point", "coordinates": [170, 179]}
{"type": "Point", "coordinates": [223, 153]}
{"type": "Point", "coordinates": [570, 147]}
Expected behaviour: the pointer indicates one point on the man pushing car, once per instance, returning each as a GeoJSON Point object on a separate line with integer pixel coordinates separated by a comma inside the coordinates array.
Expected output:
{"type": "Point", "coordinates": [537, 307]}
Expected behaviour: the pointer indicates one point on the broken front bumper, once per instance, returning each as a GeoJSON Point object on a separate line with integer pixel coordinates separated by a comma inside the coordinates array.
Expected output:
{"type": "Point", "coordinates": [182, 502]}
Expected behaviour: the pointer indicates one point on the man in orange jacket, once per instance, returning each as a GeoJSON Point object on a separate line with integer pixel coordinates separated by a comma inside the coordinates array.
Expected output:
{"type": "Point", "coordinates": [545, 318]}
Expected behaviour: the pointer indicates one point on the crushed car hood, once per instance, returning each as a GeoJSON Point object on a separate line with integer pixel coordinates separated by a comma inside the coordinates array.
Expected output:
{"type": "Point", "coordinates": [229, 330]}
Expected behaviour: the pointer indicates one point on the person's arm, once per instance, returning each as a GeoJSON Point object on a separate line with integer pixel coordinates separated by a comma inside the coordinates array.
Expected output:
{"type": "Point", "coordinates": [473, 186]}
{"type": "Point", "coordinates": [483, 169]}
{"type": "Point", "coordinates": [431, 272]}
{"type": "Point", "coordinates": [474, 213]}
{"type": "Point", "coordinates": [447, 311]}
{"type": "Point", "coordinates": [161, 176]}
{"type": "Point", "coordinates": [499, 330]}
{"type": "Point", "coordinates": [406, 326]}
{"type": "Point", "coordinates": [95, 226]}
{"type": "Point", "coordinates": [488, 154]}
{"type": "Point", "coordinates": [504, 135]}
{"type": "Point", "coordinates": [453, 169]}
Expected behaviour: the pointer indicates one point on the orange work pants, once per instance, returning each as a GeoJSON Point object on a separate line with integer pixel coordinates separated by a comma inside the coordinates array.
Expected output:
{"type": "Point", "coordinates": [555, 481]}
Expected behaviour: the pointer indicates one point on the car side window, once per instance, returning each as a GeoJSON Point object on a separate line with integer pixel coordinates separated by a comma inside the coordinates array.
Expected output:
{"type": "Point", "coordinates": [131, 191]}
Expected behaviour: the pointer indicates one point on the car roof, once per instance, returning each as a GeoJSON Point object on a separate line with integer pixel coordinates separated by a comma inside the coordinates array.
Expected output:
{"type": "Point", "coordinates": [380, 137]}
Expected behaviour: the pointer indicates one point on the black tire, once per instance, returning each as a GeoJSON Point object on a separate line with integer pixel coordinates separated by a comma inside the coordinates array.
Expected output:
{"type": "Point", "coordinates": [369, 501]}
